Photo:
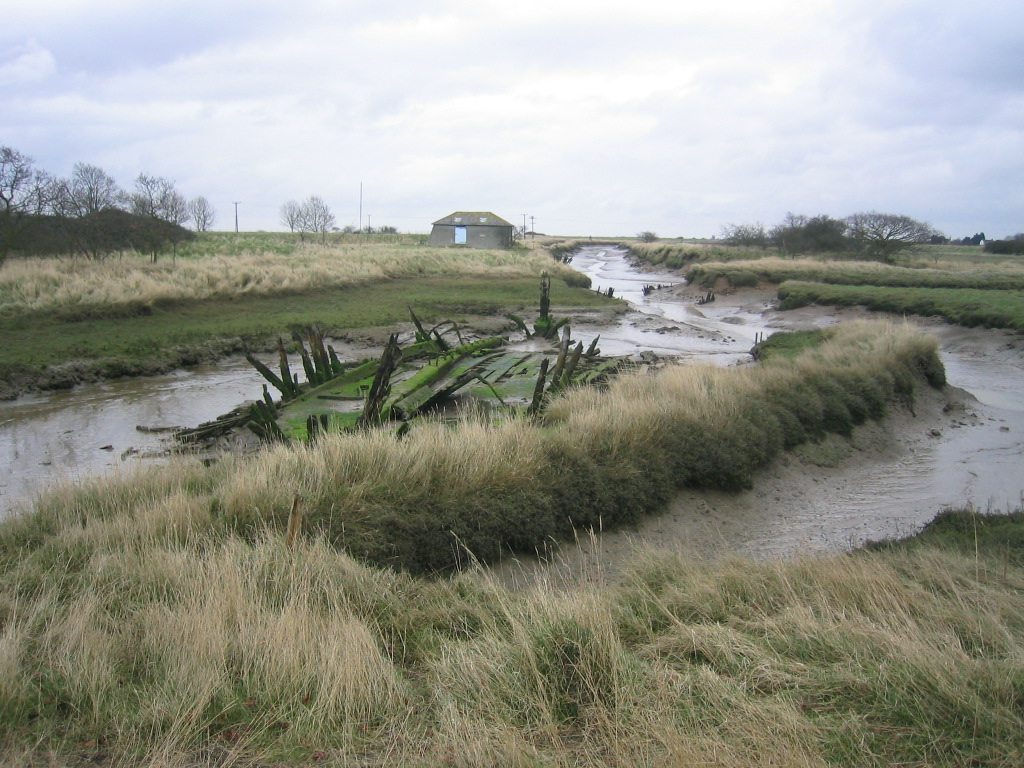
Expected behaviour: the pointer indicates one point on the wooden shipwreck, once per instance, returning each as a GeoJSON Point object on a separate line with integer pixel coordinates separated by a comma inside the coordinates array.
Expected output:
{"type": "Point", "coordinates": [429, 374]}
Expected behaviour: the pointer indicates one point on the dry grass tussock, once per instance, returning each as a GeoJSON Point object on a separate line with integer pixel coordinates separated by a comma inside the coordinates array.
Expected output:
{"type": "Point", "coordinates": [44, 285]}
{"type": "Point", "coordinates": [232, 652]}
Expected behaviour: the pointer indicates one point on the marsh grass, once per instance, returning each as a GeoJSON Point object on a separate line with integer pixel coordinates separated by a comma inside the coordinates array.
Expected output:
{"type": "Point", "coordinates": [130, 284]}
{"type": "Point", "coordinates": [161, 619]}
{"type": "Point", "coordinates": [446, 495]}
{"type": "Point", "coordinates": [1003, 276]}
{"type": "Point", "coordinates": [68, 321]}
{"type": "Point", "coordinates": [682, 255]}
{"type": "Point", "coordinates": [964, 306]}
{"type": "Point", "coordinates": [231, 652]}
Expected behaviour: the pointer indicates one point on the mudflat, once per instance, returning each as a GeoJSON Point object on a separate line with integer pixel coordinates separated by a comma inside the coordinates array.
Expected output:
{"type": "Point", "coordinates": [962, 444]}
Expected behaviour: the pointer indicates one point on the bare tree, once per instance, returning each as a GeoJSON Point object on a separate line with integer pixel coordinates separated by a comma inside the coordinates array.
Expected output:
{"type": "Point", "coordinates": [202, 213]}
{"type": "Point", "coordinates": [310, 216]}
{"type": "Point", "coordinates": [317, 216]}
{"type": "Point", "coordinates": [157, 198]}
{"type": "Point", "coordinates": [24, 193]}
{"type": "Point", "coordinates": [291, 217]}
{"type": "Point", "coordinates": [79, 207]}
{"type": "Point", "coordinates": [90, 190]}
{"type": "Point", "coordinates": [884, 236]}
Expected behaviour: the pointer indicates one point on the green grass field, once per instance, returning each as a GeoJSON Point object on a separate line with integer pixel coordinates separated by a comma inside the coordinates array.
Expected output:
{"type": "Point", "coordinates": [64, 321]}
{"type": "Point", "coordinates": [167, 335]}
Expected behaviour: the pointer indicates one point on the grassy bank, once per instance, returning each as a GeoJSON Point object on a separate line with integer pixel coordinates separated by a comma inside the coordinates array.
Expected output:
{"type": "Point", "coordinates": [968, 532]}
{"type": "Point", "coordinates": [36, 349]}
{"type": "Point", "coordinates": [63, 322]}
{"type": "Point", "coordinates": [1005, 277]}
{"type": "Point", "coordinates": [962, 289]}
{"type": "Point", "coordinates": [161, 620]}
{"type": "Point", "coordinates": [133, 285]}
{"type": "Point", "coordinates": [988, 308]}
{"type": "Point", "coordinates": [175, 648]}
{"type": "Point", "coordinates": [682, 255]}
{"type": "Point", "coordinates": [442, 495]}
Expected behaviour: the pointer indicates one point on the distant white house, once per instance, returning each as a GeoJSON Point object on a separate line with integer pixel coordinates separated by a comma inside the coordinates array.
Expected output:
{"type": "Point", "coordinates": [472, 229]}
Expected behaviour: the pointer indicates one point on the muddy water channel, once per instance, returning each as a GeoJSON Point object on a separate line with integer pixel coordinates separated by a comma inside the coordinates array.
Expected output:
{"type": "Point", "coordinates": [92, 429]}
{"type": "Point", "coordinates": [668, 320]}
{"type": "Point", "coordinates": [965, 444]}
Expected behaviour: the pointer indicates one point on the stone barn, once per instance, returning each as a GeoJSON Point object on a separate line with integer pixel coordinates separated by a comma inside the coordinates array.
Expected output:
{"type": "Point", "coordinates": [472, 229]}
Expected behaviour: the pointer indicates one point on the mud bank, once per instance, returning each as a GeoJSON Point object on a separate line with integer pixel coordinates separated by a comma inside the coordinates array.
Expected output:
{"type": "Point", "coordinates": [889, 479]}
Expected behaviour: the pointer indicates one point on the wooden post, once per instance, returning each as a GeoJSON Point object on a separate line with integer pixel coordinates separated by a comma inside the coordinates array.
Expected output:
{"type": "Point", "coordinates": [381, 388]}
{"type": "Point", "coordinates": [545, 297]}
{"type": "Point", "coordinates": [563, 350]}
{"type": "Point", "coordinates": [574, 360]}
{"type": "Point", "coordinates": [421, 334]}
{"type": "Point", "coordinates": [538, 390]}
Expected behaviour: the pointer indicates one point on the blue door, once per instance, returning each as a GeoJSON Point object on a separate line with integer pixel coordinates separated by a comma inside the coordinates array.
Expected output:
{"type": "Point", "coordinates": [460, 235]}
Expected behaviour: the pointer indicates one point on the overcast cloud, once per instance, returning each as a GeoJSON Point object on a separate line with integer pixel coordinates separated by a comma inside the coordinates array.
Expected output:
{"type": "Point", "coordinates": [595, 117]}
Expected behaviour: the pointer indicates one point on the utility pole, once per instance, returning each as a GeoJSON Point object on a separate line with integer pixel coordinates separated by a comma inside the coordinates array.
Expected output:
{"type": "Point", "coordinates": [360, 207]}
{"type": "Point", "coordinates": [524, 226]}
{"type": "Point", "coordinates": [533, 227]}
{"type": "Point", "coordinates": [237, 203]}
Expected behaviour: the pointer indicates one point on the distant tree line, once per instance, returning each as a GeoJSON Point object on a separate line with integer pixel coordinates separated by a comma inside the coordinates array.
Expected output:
{"type": "Point", "coordinates": [88, 214]}
{"type": "Point", "coordinates": [871, 235]}
{"type": "Point", "coordinates": [1011, 246]}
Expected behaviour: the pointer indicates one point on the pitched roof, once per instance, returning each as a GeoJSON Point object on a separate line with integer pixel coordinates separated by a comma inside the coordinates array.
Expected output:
{"type": "Point", "coordinates": [474, 218]}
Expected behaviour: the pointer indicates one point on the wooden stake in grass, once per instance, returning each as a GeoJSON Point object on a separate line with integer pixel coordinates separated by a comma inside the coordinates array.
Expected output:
{"type": "Point", "coordinates": [538, 390]}
{"type": "Point", "coordinates": [294, 521]}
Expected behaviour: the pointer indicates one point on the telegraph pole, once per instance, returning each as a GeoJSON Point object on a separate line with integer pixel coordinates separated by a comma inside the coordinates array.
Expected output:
{"type": "Point", "coordinates": [237, 203]}
{"type": "Point", "coordinates": [524, 226]}
{"type": "Point", "coordinates": [533, 227]}
{"type": "Point", "coordinates": [360, 207]}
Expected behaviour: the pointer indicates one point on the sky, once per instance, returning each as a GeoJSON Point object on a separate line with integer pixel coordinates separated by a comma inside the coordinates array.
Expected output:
{"type": "Point", "coordinates": [593, 117]}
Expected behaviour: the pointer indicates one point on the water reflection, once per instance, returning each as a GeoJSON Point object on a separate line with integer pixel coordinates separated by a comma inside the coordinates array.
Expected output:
{"type": "Point", "coordinates": [85, 431]}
